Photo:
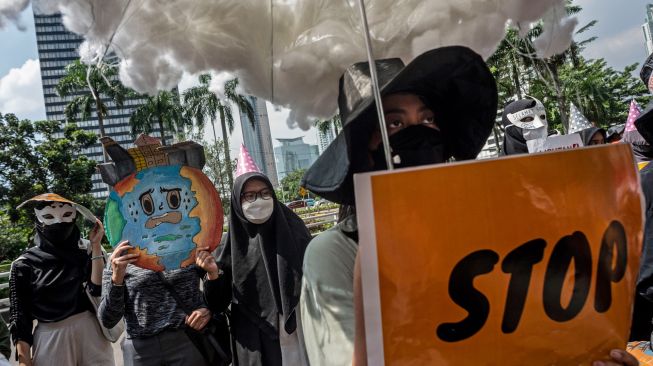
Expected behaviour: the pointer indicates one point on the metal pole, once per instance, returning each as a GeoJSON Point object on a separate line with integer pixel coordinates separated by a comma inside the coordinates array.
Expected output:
{"type": "Point", "coordinates": [375, 86]}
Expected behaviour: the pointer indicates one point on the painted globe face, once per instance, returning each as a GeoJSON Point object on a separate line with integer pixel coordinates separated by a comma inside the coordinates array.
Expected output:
{"type": "Point", "coordinates": [165, 212]}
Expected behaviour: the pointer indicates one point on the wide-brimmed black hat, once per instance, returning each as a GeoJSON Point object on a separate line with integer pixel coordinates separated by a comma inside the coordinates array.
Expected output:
{"type": "Point", "coordinates": [453, 81]}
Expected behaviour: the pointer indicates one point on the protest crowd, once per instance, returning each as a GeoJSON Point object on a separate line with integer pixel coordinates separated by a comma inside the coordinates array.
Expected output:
{"type": "Point", "coordinates": [266, 292]}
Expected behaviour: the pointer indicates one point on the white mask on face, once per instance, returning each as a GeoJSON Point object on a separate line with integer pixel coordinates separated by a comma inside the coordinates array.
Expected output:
{"type": "Point", "coordinates": [259, 211]}
{"type": "Point", "coordinates": [56, 213]}
{"type": "Point", "coordinates": [530, 119]}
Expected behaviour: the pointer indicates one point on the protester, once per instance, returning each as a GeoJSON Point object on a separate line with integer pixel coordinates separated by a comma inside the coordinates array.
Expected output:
{"type": "Point", "coordinates": [525, 126]}
{"type": "Point", "coordinates": [422, 103]}
{"type": "Point", "coordinates": [49, 283]}
{"type": "Point", "coordinates": [593, 136]}
{"type": "Point", "coordinates": [259, 271]}
{"type": "Point", "coordinates": [615, 133]}
{"type": "Point", "coordinates": [419, 134]}
{"type": "Point", "coordinates": [642, 326]}
{"type": "Point", "coordinates": [155, 322]}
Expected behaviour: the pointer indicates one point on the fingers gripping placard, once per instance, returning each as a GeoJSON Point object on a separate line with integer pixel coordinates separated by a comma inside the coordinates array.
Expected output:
{"type": "Point", "coordinates": [501, 262]}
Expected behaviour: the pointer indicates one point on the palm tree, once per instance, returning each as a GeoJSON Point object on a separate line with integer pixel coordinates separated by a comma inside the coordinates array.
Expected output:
{"type": "Point", "coordinates": [88, 84]}
{"type": "Point", "coordinates": [200, 104]}
{"type": "Point", "coordinates": [164, 109]}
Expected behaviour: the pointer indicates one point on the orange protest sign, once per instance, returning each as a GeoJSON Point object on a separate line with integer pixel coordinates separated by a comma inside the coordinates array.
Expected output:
{"type": "Point", "coordinates": [515, 261]}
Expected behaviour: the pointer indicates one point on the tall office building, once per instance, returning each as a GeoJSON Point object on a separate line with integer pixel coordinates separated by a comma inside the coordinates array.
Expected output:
{"type": "Point", "coordinates": [325, 138]}
{"type": "Point", "coordinates": [57, 48]}
{"type": "Point", "coordinates": [258, 139]}
{"type": "Point", "coordinates": [647, 28]}
{"type": "Point", "coordinates": [294, 154]}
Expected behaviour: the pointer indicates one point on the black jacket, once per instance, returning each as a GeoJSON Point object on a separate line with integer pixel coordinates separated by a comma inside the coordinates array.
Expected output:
{"type": "Point", "coordinates": [642, 326]}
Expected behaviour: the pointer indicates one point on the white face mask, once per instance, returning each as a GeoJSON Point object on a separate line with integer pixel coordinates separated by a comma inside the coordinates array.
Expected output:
{"type": "Point", "coordinates": [530, 119]}
{"type": "Point", "coordinates": [259, 211]}
{"type": "Point", "coordinates": [56, 213]}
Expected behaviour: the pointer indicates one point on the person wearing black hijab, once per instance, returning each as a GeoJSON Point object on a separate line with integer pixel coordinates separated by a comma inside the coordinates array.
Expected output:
{"type": "Point", "coordinates": [260, 271]}
{"type": "Point", "coordinates": [49, 283]}
{"type": "Point", "coordinates": [525, 124]}
{"type": "Point", "coordinates": [593, 136]}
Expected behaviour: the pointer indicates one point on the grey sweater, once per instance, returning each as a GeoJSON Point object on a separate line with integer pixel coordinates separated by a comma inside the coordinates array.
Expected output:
{"type": "Point", "coordinates": [144, 301]}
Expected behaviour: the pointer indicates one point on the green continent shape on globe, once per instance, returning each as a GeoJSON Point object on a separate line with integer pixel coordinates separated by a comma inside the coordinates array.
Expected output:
{"type": "Point", "coordinates": [114, 222]}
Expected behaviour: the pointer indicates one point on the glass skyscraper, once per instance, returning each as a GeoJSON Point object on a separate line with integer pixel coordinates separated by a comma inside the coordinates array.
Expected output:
{"type": "Point", "coordinates": [294, 154]}
{"type": "Point", "coordinates": [258, 139]}
{"type": "Point", "coordinates": [325, 138]}
{"type": "Point", "coordinates": [57, 48]}
{"type": "Point", "coordinates": [647, 28]}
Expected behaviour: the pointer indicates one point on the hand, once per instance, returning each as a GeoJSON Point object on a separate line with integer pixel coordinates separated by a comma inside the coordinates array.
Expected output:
{"type": "Point", "coordinates": [23, 352]}
{"type": "Point", "coordinates": [198, 319]}
{"type": "Point", "coordinates": [206, 261]}
{"type": "Point", "coordinates": [618, 357]}
{"type": "Point", "coordinates": [96, 234]}
{"type": "Point", "coordinates": [119, 261]}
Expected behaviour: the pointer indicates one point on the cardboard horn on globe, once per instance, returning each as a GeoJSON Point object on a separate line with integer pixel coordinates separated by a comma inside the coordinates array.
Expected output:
{"type": "Point", "coordinates": [161, 202]}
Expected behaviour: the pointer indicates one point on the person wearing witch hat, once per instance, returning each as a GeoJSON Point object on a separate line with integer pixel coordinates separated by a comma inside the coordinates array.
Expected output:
{"type": "Point", "coordinates": [642, 321]}
{"type": "Point", "coordinates": [526, 126]}
{"type": "Point", "coordinates": [259, 272]}
{"type": "Point", "coordinates": [421, 132]}
{"type": "Point", "coordinates": [51, 282]}
{"type": "Point", "coordinates": [440, 106]}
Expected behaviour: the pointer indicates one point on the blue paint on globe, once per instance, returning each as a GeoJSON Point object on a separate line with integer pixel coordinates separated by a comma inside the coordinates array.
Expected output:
{"type": "Point", "coordinates": [157, 211]}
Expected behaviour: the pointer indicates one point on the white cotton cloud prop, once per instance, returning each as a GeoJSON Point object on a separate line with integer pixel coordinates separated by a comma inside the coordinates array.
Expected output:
{"type": "Point", "coordinates": [290, 52]}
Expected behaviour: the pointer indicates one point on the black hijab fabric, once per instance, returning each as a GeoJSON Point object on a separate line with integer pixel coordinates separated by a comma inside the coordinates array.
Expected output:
{"type": "Point", "coordinates": [265, 261]}
{"type": "Point", "coordinates": [59, 270]}
{"type": "Point", "coordinates": [514, 141]}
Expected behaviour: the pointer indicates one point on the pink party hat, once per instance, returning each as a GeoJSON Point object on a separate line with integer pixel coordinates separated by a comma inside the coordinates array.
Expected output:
{"type": "Point", "coordinates": [245, 162]}
{"type": "Point", "coordinates": [631, 135]}
{"type": "Point", "coordinates": [633, 114]}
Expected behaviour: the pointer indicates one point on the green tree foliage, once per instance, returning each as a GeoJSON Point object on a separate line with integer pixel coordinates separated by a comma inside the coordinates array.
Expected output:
{"type": "Point", "coordinates": [89, 87]}
{"type": "Point", "coordinates": [34, 159]}
{"type": "Point", "coordinates": [600, 92]}
{"type": "Point", "coordinates": [165, 110]}
{"type": "Point", "coordinates": [217, 171]}
{"type": "Point", "coordinates": [290, 186]}
{"type": "Point", "coordinates": [202, 104]}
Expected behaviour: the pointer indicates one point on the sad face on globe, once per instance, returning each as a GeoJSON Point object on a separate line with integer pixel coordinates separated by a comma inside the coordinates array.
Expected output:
{"type": "Point", "coordinates": [165, 211]}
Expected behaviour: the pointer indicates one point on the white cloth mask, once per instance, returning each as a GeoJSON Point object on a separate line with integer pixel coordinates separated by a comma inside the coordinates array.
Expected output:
{"type": "Point", "coordinates": [530, 119]}
{"type": "Point", "coordinates": [259, 211]}
{"type": "Point", "coordinates": [55, 213]}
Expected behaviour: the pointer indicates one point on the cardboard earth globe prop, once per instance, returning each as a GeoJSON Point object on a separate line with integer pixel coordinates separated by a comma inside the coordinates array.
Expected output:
{"type": "Point", "coordinates": [161, 202]}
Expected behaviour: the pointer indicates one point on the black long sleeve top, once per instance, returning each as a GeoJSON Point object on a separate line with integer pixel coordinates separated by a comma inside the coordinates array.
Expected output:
{"type": "Point", "coordinates": [48, 288]}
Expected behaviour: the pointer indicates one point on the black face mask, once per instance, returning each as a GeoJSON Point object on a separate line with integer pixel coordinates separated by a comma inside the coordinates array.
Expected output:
{"type": "Point", "coordinates": [56, 233]}
{"type": "Point", "coordinates": [412, 146]}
